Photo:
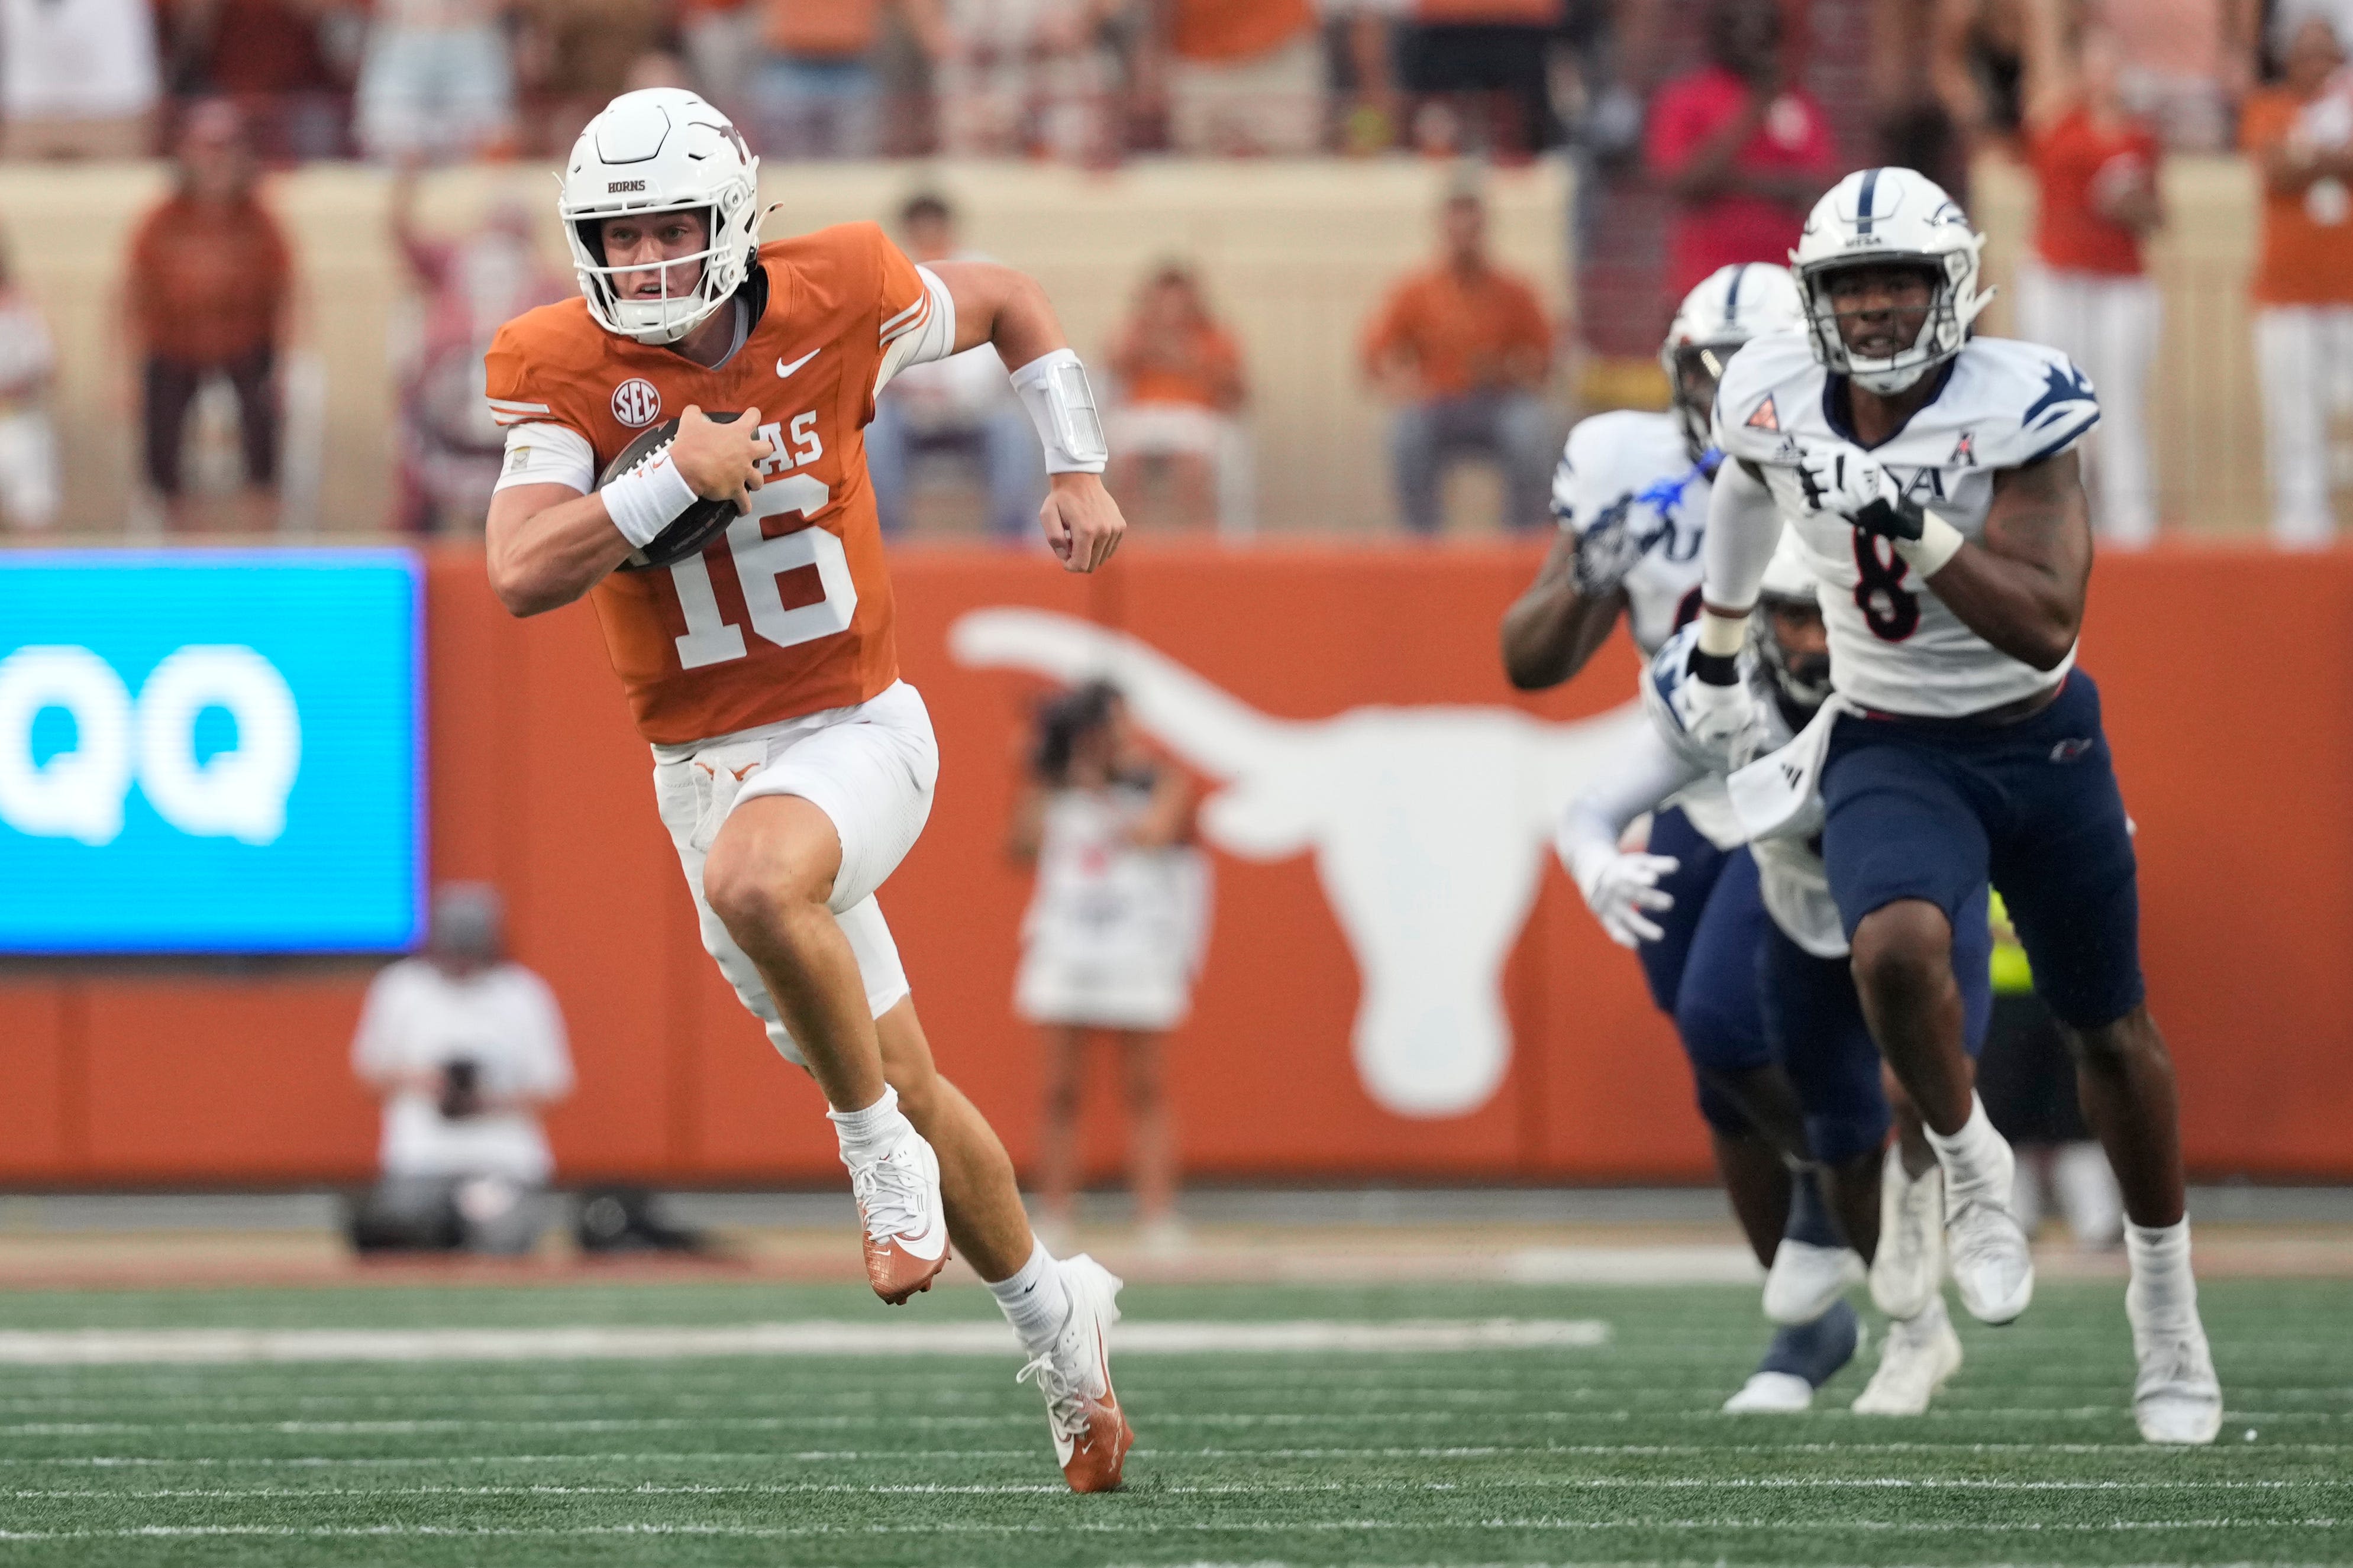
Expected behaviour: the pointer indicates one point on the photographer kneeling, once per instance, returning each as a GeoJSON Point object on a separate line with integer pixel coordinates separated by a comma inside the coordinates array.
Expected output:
{"type": "Point", "coordinates": [464, 1047]}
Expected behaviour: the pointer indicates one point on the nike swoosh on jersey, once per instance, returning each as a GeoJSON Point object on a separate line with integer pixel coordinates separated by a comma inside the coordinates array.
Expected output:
{"type": "Point", "coordinates": [784, 370]}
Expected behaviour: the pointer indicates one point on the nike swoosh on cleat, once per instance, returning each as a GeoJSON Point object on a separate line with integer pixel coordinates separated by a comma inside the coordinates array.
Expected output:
{"type": "Point", "coordinates": [784, 370]}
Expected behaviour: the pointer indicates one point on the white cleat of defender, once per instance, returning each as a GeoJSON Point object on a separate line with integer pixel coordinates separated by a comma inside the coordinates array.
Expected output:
{"type": "Point", "coordinates": [1921, 1354]}
{"type": "Point", "coordinates": [1805, 1279]}
{"type": "Point", "coordinates": [2177, 1398]}
{"type": "Point", "coordinates": [1909, 1266]}
{"type": "Point", "coordinates": [1771, 1393]}
{"type": "Point", "coordinates": [1992, 1267]}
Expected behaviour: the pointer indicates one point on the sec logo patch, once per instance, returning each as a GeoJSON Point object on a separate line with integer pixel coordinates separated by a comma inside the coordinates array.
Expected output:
{"type": "Point", "coordinates": [636, 402]}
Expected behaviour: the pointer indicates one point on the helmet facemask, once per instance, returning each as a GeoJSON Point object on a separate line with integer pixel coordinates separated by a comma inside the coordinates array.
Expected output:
{"type": "Point", "coordinates": [1693, 371]}
{"type": "Point", "coordinates": [1953, 303]}
{"type": "Point", "coordinates": [721, 267]}
{"type": "Point", "coordinates": [1802, 679]}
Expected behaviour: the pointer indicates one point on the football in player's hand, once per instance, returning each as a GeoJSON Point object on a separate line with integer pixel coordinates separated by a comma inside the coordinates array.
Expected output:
{"type": "Point", "coordinates": [695, 527]}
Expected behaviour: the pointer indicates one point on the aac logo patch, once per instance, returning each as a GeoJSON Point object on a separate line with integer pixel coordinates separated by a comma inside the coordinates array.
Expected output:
{"type": "Point", "coordinates": [2073, 748]}
{"type": "Point", "coordinates": [1765, 417]}
{"type": "Point", "coordinates": [636, 402]}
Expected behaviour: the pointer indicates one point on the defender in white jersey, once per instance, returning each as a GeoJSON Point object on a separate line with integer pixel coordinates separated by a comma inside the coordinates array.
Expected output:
{"type": "Point", "coordinates": [1932, 478]}
{"type": "Point", "coordinates": [1813, 1019]}
{"type": "Point", "coordinates": [1632, 495]}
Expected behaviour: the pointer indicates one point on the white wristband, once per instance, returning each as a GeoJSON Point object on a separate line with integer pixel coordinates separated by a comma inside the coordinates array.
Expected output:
{"type": "Point", "coordinates": [1938, 542]}
{"type": "Point", "coordinates": [1722, 637]}
{"type": "Point", "coordinates": [647, 498]}
{"type": "Point", "coordinates": [1054, 389]}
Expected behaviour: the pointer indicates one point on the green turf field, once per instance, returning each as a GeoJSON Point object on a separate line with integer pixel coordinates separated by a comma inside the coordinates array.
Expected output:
{"type": "Point", "coordinates": [1606, 1454]}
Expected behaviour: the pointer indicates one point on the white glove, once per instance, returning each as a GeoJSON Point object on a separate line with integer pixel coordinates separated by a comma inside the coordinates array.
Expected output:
{"type": "Point", "coordinates": [1727, 722]}
{"type": "Point", "coordinates": [1607, 550]}
{"type": "Point", "coordinates": [1618, 888]}
{"type": "Point", "coordinates": [1841, 478]}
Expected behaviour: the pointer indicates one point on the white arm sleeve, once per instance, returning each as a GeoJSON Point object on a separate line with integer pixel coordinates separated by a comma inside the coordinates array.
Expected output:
{"type": "Point", "coordinates": [544, 453]}
{"type": "Point", "coordinates": [927, 335]}
{"type": "Point", "coordinates": [1743, 527]}
{"type": "Point", "coordinates": [1638, 778]}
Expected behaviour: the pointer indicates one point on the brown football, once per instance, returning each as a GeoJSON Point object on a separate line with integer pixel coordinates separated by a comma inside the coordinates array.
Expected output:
{"type": "Point", "coordinates": [693, 529]}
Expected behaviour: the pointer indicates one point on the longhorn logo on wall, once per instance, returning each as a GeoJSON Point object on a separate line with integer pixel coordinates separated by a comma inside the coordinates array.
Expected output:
{"type": "Point", "coordinates": [1430, 826]}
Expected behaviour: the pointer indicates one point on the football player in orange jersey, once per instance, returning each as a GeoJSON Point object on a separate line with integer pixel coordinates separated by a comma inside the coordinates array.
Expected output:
{"type": "Point", "coordinates": [793, 767]}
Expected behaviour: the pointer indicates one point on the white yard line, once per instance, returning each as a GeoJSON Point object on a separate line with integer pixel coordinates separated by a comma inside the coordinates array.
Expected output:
{"type": "Point", "coordinates": [144, 1347]}
{"type": "Point", "coordinates": [1232, 1489]}
{"type": "Point", "coordinates": [961, 1456]}
{"type": "Point", "coordinates": [1231, 1420]}
{"type": "Point", "coordinates": [1155, 1526]}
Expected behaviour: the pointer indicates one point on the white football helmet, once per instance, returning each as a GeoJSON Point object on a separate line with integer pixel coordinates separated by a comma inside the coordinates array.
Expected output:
{"type": "Point", "coordinates": [1731, 305]}
{"type": "Point", "coordinates": [661, 148]}
{"type": "Point", "coordinates": [1788, 580]}
{"type": "Point", "coordinates": [1883, 215]}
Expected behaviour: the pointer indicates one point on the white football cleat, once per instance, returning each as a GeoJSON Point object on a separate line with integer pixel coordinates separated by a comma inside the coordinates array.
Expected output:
{"type": "Point", "coordinates": [906, 1228]}
{"type": "Point", "coordinates": [1091, 1436]}
{"type": "Point", "coordinates": [1910, 1264]}
{"type": "Point", "coordinates": [1771, 1393]}
{"type": "Point", "coordinates": [1992, 1267]}
{"type": "Point", "coordinates": [1921, 1354]}
{"type": "Point", "coordinates": [1802, 1358]}
{"type": "Point", "coordinates": [2177, 1398]}
{"type": "Point", "coordinates": [1805, 1279]}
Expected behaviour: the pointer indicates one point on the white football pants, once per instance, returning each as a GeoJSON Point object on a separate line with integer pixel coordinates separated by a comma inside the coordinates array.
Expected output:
{"type": "Point", "coordinates": [2108, 325]}
{"type": "Point", "coordinates": [2304, 356]}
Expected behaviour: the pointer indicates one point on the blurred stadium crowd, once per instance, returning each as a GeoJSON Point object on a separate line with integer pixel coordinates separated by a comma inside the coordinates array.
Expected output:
{"type": "Point", "coordinates": [1696, 133]}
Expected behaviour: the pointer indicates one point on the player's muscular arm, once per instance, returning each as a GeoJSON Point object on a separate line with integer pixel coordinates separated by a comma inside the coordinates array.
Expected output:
{"type": "Point", "coordinates": [2022, 588]}
{"type": "Point", "coordinates": [1007, 310]}
{"type": "Point", "coordinates": [1552, 630]}
{"type": "Point", "coordinates": [548, 544]}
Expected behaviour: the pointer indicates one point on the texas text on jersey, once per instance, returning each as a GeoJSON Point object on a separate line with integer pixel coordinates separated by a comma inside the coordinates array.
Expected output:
{"type": "Point", "coordinates": [2000, 404]}
{"type": "Point", "coordinates": [790, 612]}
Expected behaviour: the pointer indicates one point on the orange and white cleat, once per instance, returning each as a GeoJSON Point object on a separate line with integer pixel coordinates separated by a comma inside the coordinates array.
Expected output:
{"type": "Point", "coordinates": [906, 1227]}
{"type": "Point", "coordinates": [1091, 1436]}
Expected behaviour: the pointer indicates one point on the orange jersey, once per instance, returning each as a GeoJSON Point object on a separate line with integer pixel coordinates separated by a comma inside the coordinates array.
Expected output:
{"type": "Point", "coordinates": [790, 612]}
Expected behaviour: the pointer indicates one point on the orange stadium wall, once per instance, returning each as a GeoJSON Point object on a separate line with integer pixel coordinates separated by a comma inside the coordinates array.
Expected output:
{"type": "Point", "coordinates": [238, 1074]}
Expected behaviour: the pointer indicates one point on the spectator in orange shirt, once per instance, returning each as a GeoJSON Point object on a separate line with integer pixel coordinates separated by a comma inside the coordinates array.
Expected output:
{"type": "Point", "coordinates": [1180, 380]}
{"type": "Point", "coordinates": [1463, 350]}
{"type": "Point", "coordinates": [2300, 136]}
{"type": "Point", "coordinates": [1744, 150]}
{"type": "Point", "coordinates": [816, 93]}
{"type": "Point", "coordinates": [1243, 76]}
{"type": "Point", "coordinates": [2084, 288]}
{"type": "Point", "coordinates": [211, 283]}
